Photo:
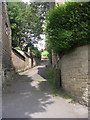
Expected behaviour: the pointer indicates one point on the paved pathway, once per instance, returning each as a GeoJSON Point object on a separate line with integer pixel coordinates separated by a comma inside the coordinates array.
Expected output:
{"type": "Point", "coordinates": [30, 96]}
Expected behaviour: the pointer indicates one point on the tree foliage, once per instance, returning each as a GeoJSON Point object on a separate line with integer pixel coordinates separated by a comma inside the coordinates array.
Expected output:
{"type": "Point", "coordinates": [68, 26]}
{"type": "Point", "coordinates": [15, 12]}
{"type": "Point", "coordinates": [26, 20]}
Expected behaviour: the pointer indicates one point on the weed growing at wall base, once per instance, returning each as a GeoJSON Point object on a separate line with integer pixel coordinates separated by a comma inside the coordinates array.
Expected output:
{"type": "Point", "coordinates": [51, 77]}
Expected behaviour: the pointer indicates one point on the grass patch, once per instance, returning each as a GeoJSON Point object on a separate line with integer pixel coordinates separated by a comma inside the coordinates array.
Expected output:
{"type": "Point", "coordinates": [17, 48]}
{"type": "Point", "coordinates": [45, 53]}
{"type": "Point", "coordinates": [67, 96]}
{"type": "Point", "coordinates": [51, 78]}
{"type": "Point", "coordinates": [5, 89]}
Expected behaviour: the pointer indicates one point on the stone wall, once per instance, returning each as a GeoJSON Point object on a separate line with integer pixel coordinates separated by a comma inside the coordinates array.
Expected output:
{"type": "Point", "coordinates": [6, 39]}
{"type": "Point", "coordinates": [89, 80]}
{"type": "Point", "coordinates": [20, 62]}
{"type": "Point", "coordinates": [0, 60]}
{"type": "Point", "coordinates": [74, 74]}
{"type": "Point", "coordinates": [0, 40]}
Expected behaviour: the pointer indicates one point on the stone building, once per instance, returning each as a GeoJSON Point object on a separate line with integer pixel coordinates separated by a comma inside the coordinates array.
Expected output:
{"type": "Point", "coordinates": [5, 46]}
{"type": "Point", "coordinates": [0, 61]}
{"type": "Point", "coordinates": [5, 40]}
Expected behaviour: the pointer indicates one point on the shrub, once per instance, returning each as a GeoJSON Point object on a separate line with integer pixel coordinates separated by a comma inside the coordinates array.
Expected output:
{"type": "Point", "coordinates": [17, 48]}
{"type": "Point", "coordinates": [36, 52]}
{"type": "Point", "coordinates": [67, 26]}
{"type": "Point", "coordinates": [45, 53]}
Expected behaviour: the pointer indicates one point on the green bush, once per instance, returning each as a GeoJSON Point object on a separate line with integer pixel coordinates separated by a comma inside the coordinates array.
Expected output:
{"type": "Point", "coordinates": [68, 26]}
{"type": "Point", "coordinates": [45, 53]}
{"type": "Point", "coordinates": [18, 48]}
{"type": "Point", "coordinates": [36, 52]}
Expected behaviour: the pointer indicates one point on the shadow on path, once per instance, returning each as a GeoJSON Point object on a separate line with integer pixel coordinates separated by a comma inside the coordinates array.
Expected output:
{"type": "Point", "coordinates": [27, 95]}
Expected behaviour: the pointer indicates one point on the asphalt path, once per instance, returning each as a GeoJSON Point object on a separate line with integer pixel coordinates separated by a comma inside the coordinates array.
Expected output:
{"type": "Point", "coordinates": [29, 95]}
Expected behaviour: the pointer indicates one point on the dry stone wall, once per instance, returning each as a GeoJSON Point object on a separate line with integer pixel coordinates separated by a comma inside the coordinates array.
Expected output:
{"type": "Point", "coordinates": [74, 73]}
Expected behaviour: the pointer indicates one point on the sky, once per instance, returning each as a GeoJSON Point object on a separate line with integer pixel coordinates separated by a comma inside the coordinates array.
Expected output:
{"type": "Point", "coordinates": [38, 0]}
{"type": "Point", "coordinates": [25, 1]}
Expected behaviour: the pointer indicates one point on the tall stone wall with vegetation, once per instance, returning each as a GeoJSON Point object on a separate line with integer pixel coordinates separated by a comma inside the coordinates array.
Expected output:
{"type": "Point", "coordinates": [74, 74]}
{"type": "Point", "coordinates": [67, 32]}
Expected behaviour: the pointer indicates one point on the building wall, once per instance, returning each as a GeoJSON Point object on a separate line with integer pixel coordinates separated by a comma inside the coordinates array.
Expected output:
{"type": "Point", "coordinates": [74, 74]}
{"type": "Point", "coordinates": [0, 37]}
{"type": "Point", "coordinates": [0, 60]}
{"type": "Point", "coordinates": [89, 81]}
{"type": "Point", "coordinates": [6, 39]}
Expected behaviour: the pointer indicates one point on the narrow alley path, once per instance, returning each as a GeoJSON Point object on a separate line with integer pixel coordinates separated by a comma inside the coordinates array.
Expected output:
{"type": "Point", "coordinates": [30, 96]}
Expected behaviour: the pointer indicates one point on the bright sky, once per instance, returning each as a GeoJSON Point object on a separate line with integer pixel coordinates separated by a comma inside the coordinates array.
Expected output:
{"type": "Point", "coordinates": [25, 1]}
{"type": "Point", "coordinates": [38, 0]}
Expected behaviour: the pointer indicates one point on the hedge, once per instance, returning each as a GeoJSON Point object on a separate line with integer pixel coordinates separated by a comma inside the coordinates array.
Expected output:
{"type": "Point", "coordinates": [68, 26]}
